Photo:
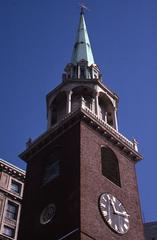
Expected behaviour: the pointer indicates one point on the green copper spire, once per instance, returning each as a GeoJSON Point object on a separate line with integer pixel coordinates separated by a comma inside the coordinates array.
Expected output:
{"type": "Point", "coordinates": [82, 66]}
{"type": "Point", "coordinates": [82, 48]}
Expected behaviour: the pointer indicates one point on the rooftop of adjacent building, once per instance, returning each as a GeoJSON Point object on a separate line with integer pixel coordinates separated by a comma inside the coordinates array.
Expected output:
{"type": "Point", "coordinates": [11, 169]}
{"type": "Point", "coordinates": [150, 229]}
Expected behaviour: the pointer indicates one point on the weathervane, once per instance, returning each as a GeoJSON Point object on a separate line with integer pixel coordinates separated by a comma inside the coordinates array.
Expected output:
{"type": "Point", "coordinates": [83, 7]}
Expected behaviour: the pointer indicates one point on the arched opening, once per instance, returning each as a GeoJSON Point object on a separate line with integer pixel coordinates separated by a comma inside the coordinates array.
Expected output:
{"type": "Point", "coordinates": [106, 112]}
{"type": "Point", "coordinates": [84, 94]}
{"type": "Point", "coordinates": [110, 165]}
{"type": "Point", "coordinates": [58, 108]}
{"type": "Point", "coordinates": [82, 71]}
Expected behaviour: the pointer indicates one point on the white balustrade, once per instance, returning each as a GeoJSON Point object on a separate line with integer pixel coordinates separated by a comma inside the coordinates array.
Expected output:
{"type": "Point", "coordinates": [132, 144]}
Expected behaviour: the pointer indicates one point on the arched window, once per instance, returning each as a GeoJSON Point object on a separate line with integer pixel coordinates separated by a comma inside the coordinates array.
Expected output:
{"type": "Point", "coordinates": [110, 166]}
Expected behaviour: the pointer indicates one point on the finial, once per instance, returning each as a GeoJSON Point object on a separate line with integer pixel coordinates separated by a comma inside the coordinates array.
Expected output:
{"type": "Point", "coordinates": [29, 143]}
{"type": "Point", "coordinates": [135, 144]}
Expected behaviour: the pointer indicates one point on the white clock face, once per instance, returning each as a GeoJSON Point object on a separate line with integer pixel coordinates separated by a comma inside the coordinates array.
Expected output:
{"type": "Point", "coordinates": [114, 213]}
{"type": "Point", "coordinates": [47, 214]}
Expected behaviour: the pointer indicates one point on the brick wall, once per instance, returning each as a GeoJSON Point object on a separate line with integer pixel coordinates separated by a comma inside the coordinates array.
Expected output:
{"type": "Point", "coordinates": [93, 183]}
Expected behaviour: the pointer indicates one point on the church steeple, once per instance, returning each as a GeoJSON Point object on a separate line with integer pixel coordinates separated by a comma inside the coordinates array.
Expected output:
{"type": "Point", "coordinates": [82, 86]}
{"type": "Point", "coordinates": [82, 48]}
{"type": "Point", "coordinates": [82, 65]}
{"type": "Point", "coordinates": [81, 181]}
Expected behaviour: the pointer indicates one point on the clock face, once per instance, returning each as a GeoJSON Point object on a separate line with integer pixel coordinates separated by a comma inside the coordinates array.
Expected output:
{"type": "Point", "coordinates": [47, 214]}
{"type": "Point", "coordinates": [114, 213]}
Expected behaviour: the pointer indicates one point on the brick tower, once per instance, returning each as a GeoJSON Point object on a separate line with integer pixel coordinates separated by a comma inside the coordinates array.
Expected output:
{"type": "Point", "coordinates": [81, 181]}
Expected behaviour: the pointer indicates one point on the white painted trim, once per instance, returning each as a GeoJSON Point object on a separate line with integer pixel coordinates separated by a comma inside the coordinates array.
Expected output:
{"type": "Point", "coordinates": [17, 221]}
{"type": "Point", "coordinates": [3, 212]}
{"type": "Point", "coordinates": [18, 181]}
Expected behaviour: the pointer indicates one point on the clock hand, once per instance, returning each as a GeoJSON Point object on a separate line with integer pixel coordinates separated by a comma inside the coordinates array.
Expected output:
{"type": "Point", "coordinates": [114, 208]}
{"type": "Point", "coordinates": [117, 212]}
{"type": "Point", "coordinates": [122, 214]}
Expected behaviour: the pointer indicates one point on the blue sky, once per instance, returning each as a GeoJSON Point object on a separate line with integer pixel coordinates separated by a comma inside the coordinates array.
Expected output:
{"type": "Point", "coordinates": [35, 45]}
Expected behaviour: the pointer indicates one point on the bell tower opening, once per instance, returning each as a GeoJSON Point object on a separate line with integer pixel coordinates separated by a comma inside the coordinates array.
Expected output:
{"type": "Point", "coordinates": [58, 108]}
{"type": "Point", "coordinates": [107, 110]}
{"type": "Point", "coordinates": [82, 95]}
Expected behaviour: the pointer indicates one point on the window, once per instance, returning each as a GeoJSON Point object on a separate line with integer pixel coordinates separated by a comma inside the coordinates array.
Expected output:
{"type": "Point", "coordinates": [16, 187]}
{"type": "Point", "coordinates": [110, 166]}
{"type": "Point", "coordinates": [51, 171]}
{"type": "Point", "coordinates": [8, 231]}
{"type": "Point", "coordinates": [52, 166]}
{"type": "Point", "coordinates": [12, 210]}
